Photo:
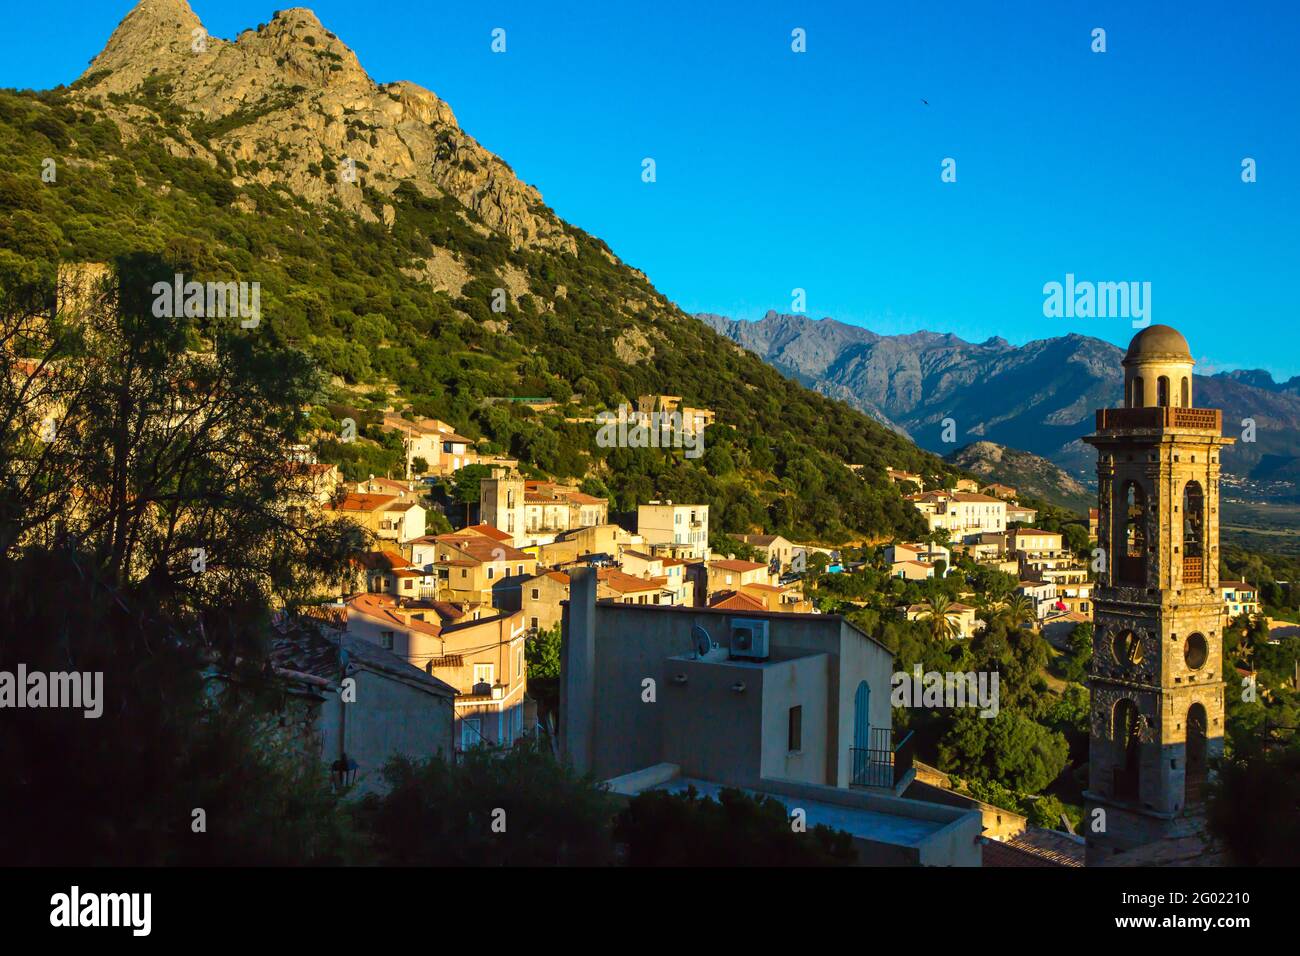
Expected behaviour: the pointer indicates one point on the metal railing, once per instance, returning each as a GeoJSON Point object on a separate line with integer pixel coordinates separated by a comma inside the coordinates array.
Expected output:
{"type": "Point", "coordinates": [883, 763]}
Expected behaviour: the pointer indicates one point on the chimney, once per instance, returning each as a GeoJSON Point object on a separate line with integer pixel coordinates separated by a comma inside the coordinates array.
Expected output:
{"type": "Point", "coordinates": [577, 670]}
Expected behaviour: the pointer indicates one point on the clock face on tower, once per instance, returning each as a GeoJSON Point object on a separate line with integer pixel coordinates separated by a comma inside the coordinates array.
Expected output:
{"type": "Point", "coordinates": [1127, 648]}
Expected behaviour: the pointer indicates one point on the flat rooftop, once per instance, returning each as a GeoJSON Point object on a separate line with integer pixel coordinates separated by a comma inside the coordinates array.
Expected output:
{"type": "Point", "coordinates": [867, 824]}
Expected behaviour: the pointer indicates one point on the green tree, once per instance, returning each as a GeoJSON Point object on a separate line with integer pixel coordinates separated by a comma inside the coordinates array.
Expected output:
{"type": "Point", "coordinates": [1009, 749]}
{"type": "Point", "coordinates": [517, 807]}
{"type": "Point", "coordinates": [690, 829]}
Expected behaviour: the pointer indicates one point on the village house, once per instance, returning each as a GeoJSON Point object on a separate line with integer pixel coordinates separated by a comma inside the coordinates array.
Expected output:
{"type": "Point", "coordinates": [397, 710]}
{"type": "Point", "coordinates": [672, 570]}
{"type": "Point", "coordinates": [475, 568]}
{"type": "Point", "coordinates": [692, 419]}
{"type": "Point", "coordinates": [677, 531]}
{"type": "Point", "coordinates": [773, 549]}
{"type": "Point", "coordinates": [966, 484]}
{"type": "Point", "coordinates": [730, 575]}
{"type": "Point", "coordinates": [791, 706]}
{"type": "Point", "coordinates": [569, 546]}
{"type": "Point", "coordinates": [433, 447]}
{"type": "Point", "coordinates": [535, 512]}
{"type": "Point", "coordinates": [962, 514]}
{"type": "Point", "coordinates": [482, 658]}
{"type": "Point", "coordinates": [1041, 557]}
{"type": "Point", "coordinates": [1019, 514]}
{"type": "Point", "coordinates": [1239, 598]}
{"type": "Point", "coordinates": [899, 477]}
{"type": "Point", "coordinates": [918, 551]}
{"type": "Point", "coordinates": [1005, 492]}
{"type": "Point", "coordinates": [774, 598]}
{"type": "Point", "coordinates": [389, 517]}
{"type": "Point", "coordinates": [542, 599]}
{"type": "Point", "coordinates": [912, 570]}
{"type": "Point", "coordinates": [1041, 593]}
{"type": "Point", "coordinates": [620, 588]}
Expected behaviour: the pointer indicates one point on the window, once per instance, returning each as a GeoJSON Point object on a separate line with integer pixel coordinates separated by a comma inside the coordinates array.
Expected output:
{"type": "Point", "coordinates": [406, 584]}
{"type": "Point", "coordinates": [490, 572]}
{"type": "Point", "coordinates": [537, 594]}
{"type": "Point", "coordinates": [483, 673]}
{"type": "Point", "coordinates": [471, 733]}
{"type": "Point", "coordinates": [534, 624]}
{"type": "Point", "coordinates": [1162, 391]}
{"type": "Point", "coordinates": [386, 640]}
{"type": "Point", "coordinates": [795, 742]}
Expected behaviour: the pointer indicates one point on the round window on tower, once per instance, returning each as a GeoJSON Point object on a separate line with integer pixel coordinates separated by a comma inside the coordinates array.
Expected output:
{"type": "Point", "coordinates": [1196, 651]}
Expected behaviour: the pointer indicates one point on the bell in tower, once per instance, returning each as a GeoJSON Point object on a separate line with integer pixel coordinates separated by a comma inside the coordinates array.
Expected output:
{"type": "Point", "coordinates": [1156, 682]}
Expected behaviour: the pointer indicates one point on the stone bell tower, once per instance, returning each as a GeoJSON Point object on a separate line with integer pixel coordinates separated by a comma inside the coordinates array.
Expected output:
{"type": "Point", "coordinates": [1156, 682]}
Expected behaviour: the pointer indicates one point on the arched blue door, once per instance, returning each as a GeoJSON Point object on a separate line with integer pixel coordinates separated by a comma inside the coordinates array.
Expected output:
{"type": "Point", "coordinates": [862, 717]}
{"type": "Point", "coordinates": [861, 733]}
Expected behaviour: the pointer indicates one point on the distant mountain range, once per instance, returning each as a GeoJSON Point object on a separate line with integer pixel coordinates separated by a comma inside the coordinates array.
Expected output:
{"type": "Point", "coordinates": [1039, 397]}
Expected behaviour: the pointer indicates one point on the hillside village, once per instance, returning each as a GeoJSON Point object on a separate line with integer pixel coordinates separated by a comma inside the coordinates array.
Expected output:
{"type": "Point", "coordinates": [468, 607]}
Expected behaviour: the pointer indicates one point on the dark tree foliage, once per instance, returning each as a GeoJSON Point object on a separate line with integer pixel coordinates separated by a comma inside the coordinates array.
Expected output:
{"type": "Point", "coordinates": [689, 829]}
{"type": "Point", "coordinates": [518, 807]}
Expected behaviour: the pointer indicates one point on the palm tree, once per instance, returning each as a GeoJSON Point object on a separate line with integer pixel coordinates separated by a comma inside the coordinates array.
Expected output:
{"type": "Point", "coordinates": [1018, 610]}
{"type": "Point", "coordinates": [937, 609]}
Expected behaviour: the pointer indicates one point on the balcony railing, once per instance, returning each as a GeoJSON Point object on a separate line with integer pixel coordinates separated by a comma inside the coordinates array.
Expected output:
{"type": "Point", "coordinates": [1207, 419]}
{"type": "Point", "coordinates": [884, 763]}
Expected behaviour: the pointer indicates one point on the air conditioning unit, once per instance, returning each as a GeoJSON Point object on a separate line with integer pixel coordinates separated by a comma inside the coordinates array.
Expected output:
{"type": "Point", "coordinates": [749, 639]}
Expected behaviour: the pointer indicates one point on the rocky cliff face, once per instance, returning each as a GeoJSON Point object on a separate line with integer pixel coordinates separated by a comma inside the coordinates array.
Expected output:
{"type": "Point", "coordinates": [289, 103]}
{"type": "Point", "coordinates": [1040, 396]}
{"type": "Point", "coordinates": [1029, 474]}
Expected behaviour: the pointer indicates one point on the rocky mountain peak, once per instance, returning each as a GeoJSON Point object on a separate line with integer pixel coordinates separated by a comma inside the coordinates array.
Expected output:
{"type": "Point", "coordinates": [154, 31]}
{"type": "Point", "coordinates": [289, 104]}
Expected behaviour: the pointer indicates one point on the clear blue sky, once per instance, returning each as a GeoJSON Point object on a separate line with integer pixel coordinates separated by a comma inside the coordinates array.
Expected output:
{"type": "Point", "coordinates": [821, 170]}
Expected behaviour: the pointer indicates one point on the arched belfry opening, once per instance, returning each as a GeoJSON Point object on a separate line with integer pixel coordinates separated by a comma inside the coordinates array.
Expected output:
{"type": "Point", "coordinates": [1187, 393]}
{"type": "Point", "coordinates": [1193, 533]}
{"type": "Point", "coordinates": [1162, 391]}
{"type": "Point", "coordinates": [1197, 756]}
{"type": "Point", "coordinates": [1135, 394]}
{"type": "Point", "coordinates": [1133, 556]}
{"type": "Point", "coordinates": [1128, 755]}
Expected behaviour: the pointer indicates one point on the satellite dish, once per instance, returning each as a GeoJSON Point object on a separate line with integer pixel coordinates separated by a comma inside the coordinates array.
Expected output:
{"type": "Point", "coordinates": [703, 643]}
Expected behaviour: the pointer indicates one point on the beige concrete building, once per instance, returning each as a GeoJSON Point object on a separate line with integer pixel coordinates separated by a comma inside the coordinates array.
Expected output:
{"type": "Point", "coordinates": [772, 548]}
{"type": "Point", "coordinates": [482, 658]}
{"type": "Point", "coordinates": [731, 575]}
{"type": "Point", "coordinates": [536, 512]}
{"type": "Point", "coordinates": [389, 517]}
{"type": "Point", "coordinates": [792, 706]}
{"type": "Point", "coordinates": [680, 531]}
{"type": "Point", "coordinates": [397, 709]}
{"type": "Point", "coordinates": [1239, 598]}
{"type": "Point", "coordinates": [474, 568]}
{"type": "Point", "coordinates": [962, 514]}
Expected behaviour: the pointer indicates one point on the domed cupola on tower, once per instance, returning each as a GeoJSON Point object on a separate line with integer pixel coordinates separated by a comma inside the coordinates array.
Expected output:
{"type": "Point", "coordinates": [1158, 369]}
